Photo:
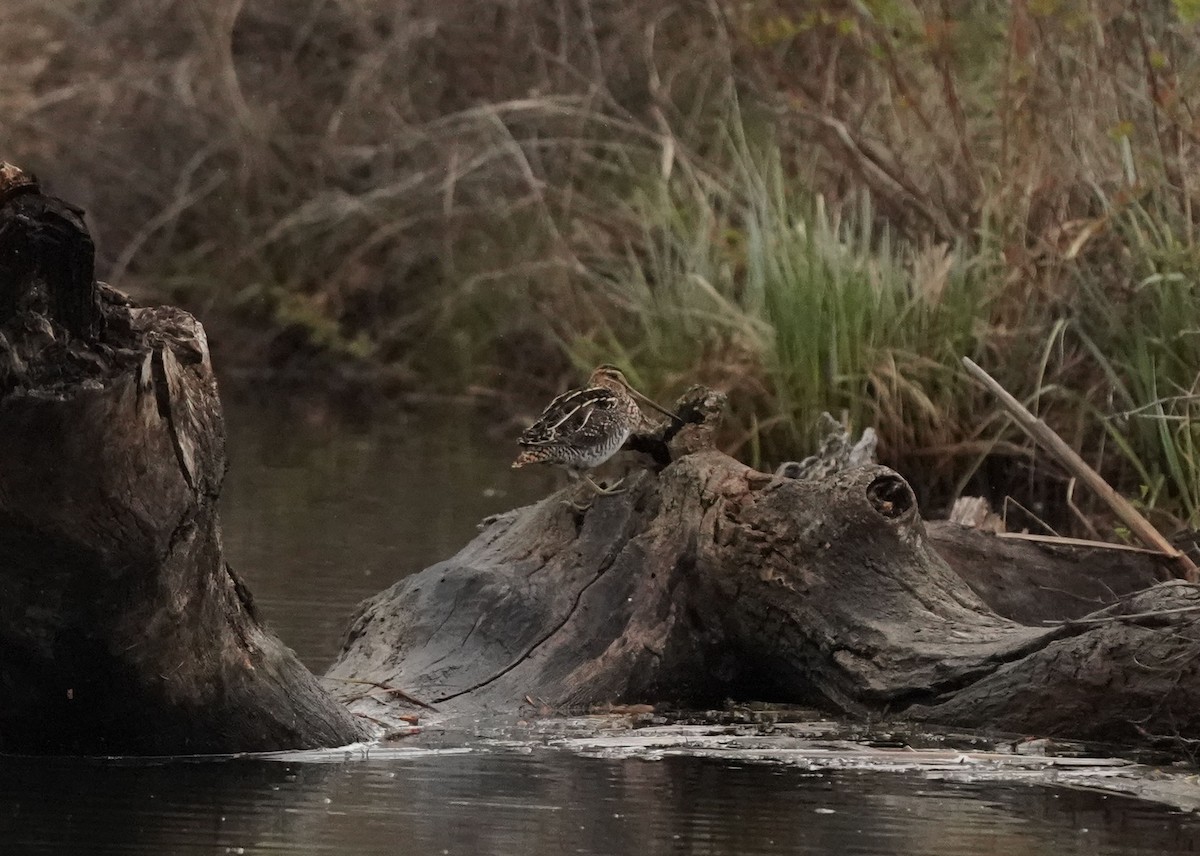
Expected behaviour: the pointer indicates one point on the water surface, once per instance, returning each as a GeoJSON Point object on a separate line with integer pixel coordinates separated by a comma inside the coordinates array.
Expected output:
{"type": "Point", "coordinates": [548, 804]}
{"type": "Point", "coordinates": [322, 510]}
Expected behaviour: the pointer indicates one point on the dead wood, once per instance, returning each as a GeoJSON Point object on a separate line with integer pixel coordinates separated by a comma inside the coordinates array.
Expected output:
{"type": "Point", "coordinates": [1070, 459]}
{"type": "Point", "coordinates": [708, 580]}
{"type": "Point", "coordinates": [122, 629]}
{"type": "Point", "coordinates": [1034, 583]}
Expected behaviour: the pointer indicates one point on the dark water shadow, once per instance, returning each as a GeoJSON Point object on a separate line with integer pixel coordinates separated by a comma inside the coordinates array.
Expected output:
{"type": "Point", "coordinates": [322, 509]}
{"type": "Point", "coordinates": [543, 803]}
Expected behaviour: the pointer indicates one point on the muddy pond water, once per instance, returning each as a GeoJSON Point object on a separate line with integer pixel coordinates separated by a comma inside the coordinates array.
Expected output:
{"type": "Point", "coordinates": [322, 510]}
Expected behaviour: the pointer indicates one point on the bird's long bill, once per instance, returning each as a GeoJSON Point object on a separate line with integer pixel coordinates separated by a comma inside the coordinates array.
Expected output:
{"type": "Point", "coordinates": [651, 403]}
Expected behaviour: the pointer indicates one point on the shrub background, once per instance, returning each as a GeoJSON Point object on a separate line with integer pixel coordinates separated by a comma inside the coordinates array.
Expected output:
{"type": "Point", "coordinates": [817, 205]}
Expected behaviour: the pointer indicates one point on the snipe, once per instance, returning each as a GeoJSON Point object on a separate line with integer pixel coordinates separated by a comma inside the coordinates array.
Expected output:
{"type": "Point", "coordinates": [583, 428]}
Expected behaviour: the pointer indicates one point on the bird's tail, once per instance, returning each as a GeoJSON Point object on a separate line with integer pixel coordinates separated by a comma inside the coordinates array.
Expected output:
{"type": "Point", "coordinates": [530, 456]}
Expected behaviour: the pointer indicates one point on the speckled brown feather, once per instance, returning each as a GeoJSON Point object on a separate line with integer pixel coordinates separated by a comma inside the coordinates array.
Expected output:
{"type": "Point", "coordinates": [582, 428]}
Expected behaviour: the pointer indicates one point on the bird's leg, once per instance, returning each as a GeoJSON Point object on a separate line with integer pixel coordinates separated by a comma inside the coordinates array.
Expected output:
{"type": "Point", "coordinates": [597, 490]}
{"type": "Point", "coordinates": [615, 487]}
{"type": "Point", "coordinates": [575, 476]}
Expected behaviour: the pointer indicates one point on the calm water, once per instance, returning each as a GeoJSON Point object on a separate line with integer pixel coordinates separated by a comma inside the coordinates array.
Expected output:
{"type": "Point", "coordinates": [548, 804]}
{"type": "Point", "coordinates": [321, 510]}
{"type": "Point", "coordinates": [320, 513]}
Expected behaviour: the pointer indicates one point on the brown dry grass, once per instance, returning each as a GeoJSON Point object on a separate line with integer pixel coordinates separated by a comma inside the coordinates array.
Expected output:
{"type": "Point", "coordinates": [485, 193]}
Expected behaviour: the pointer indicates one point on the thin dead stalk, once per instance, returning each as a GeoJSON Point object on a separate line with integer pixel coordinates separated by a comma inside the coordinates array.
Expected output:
{"type": "Point", "coordinates": [1064, 541]}
{"type": "Point", "coordinates": [396, 691]}
{"type": "Point", "coordinates": [1044, 435]}
{"type": "Point", "coordinates": [1109, 619]}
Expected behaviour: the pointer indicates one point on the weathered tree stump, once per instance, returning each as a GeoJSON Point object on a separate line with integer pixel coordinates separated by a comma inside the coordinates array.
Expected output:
{"type": "Point", "coordinates": [122, 630]}
{"type": "Point", "coordinates": [707, 580]}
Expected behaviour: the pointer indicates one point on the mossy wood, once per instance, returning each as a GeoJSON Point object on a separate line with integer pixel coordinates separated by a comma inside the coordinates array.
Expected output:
{"type": "Point", "coordinates": [122, 629]}
{"type": "Point", "coordinates": [708, 580]}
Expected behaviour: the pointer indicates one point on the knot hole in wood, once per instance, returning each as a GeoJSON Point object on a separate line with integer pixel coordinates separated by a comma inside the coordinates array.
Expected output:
{"type": "Point", "coordinates": [891, 496]}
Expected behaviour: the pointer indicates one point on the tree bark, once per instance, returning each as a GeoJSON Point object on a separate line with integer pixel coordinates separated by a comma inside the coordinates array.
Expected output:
{"type": "Point", "coordinates": [122, 629]}
{"type": "Point", "coordinates": [706, 580]}
{"type": "Point", "coordinates": [1038, 584]}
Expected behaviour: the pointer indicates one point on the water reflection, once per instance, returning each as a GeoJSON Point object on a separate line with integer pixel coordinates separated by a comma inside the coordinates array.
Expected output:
{"type": "Point", "coordinates": [320, 512]}
{"type": "Point", "coordinates": [322, 509]}
{"type": "Point", "coordinates": [551, 803]}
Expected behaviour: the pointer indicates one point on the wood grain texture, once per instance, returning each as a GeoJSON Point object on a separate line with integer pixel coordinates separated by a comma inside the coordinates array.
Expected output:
{"type": "Point", "coordinates": [122, 629]}
{"type": "Point", "coordinates": [708, 580]}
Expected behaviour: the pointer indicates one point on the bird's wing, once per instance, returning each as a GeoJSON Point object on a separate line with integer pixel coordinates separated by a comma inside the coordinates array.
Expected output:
{"type": "Point", "coordinates": [577, 418]}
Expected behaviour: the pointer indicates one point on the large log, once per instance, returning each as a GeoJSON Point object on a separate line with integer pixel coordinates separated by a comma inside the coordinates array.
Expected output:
{"type": "Point", "coordinates": [122, 629]}
{"type": "Point", "coordinates": [707, 580]}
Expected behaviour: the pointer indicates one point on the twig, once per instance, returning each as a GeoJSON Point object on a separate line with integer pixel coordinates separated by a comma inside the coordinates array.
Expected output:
{"type": "Point", "coordinates": [1038, 520]}
{"type": "Point", "coordinates": [369, 718]}
{"type": "Point", "coordinates": [1078, 511]}
{"type": "Point", "coordinates": [1044, 435]}
{"type": "Point", "coordinates": [396, 691]}
{"type": "Point", "coordinates": [1079, 542]}
{"type": "Point", "coordinates": [1156, 404]}
{"type": "Point", "coordinates": [891, 183]}
{"type": "Point", "coordinates": [1108, 619]}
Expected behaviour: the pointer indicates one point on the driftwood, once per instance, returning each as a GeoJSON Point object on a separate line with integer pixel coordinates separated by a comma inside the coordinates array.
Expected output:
{"type": "Point", "coordinates": [1079, 468]}
{"type": "Point", "coordinates": [121, 627]}
{"type": "Point", "coordinates": [708, 580]}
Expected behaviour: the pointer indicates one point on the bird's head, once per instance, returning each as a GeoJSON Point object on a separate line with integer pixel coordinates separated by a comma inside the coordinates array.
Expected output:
{"type": "Point", "coordinates": [611, 377]}
{"type": "Point", "coordinates": [608, 376]}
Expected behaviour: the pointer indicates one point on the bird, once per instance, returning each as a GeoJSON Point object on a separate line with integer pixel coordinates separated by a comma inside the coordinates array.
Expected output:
{"type": "Point", "coordinates": [582, 428]}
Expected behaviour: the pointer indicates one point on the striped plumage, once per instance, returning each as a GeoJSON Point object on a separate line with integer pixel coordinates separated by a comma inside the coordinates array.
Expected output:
{"type": "Point", "coordinates": [583, 428]}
